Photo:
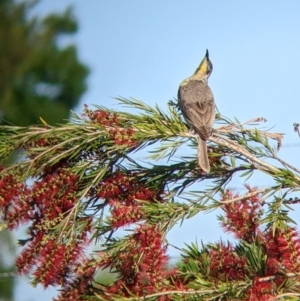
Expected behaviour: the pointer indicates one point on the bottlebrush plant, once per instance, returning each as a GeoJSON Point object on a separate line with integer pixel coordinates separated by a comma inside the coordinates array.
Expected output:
{"type": "Point", "coordinates": [76, 185]}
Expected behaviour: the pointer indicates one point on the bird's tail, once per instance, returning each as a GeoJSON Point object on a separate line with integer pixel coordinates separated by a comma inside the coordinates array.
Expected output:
{"type": "Point", "coordinates": [202, 155]}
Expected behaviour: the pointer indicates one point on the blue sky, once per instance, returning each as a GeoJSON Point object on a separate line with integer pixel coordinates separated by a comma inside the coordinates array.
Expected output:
{"type": "Point", "coordinates": [144, 49]}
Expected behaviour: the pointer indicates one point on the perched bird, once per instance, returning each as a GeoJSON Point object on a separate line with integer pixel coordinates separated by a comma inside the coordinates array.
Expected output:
{"type": "Point", "coordinates": [196, 102]}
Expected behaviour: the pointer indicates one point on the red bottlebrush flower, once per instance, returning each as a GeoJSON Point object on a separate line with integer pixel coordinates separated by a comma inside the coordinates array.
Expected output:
{"type": "Point", "coordinates": [25, 260]}
{"type": "Point", "coordinates": [54, 194]}
{"type": "Point", "coordinates": [122, 215]}
{"type": "Point", "coordinates": [52, 262]}
{"type": "Point", "coordinates": [14, 205]}
{"type": "Point", "coordinates": [284, 247]}
{"type": "Point", "coordinates": [49, 201]}
{"type": "Point", "coordinates": [113, 186]}
{"type": "Point", "coordinates": [120, 135]}
{"type": "Point", "coordinates": [55, 261]}
{"type": "Point", "coordinates": [142, 265]}
{"type": "Point", "coordinates": [226, 264]}
{"type": "Point", "coordinates": [116, 287]}
{"type": "Point", "coordinates": [123, 192]}
{"type": "Point", "coordinates": [123, 137]}
{"type": "Point", "coordinates": [101, 117]}
{"type": "Point", "coordinates": [261, 291]}
{"type": "Point", "coordinates": [272, 266]}
{"type": "Point", "coordinates": [242, 217]}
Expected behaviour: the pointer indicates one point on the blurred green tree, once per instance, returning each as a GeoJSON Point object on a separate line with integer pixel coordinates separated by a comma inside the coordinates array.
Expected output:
{"type": "Point", "coordinates": [39, 76]}
{"type": "Point", "coordinates": [7, 279]}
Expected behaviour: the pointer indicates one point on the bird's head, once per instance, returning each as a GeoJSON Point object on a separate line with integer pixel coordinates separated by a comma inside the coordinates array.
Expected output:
{"type": "Point", "coordinates": [205, 68]}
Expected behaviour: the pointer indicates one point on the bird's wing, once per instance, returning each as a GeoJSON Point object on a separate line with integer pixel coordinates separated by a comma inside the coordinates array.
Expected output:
{"type": "Point", "coordinates": [197, 104]}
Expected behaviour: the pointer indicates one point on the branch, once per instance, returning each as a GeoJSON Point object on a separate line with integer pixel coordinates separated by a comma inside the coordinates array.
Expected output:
{"type": "Point", "coordinates": [246, 196]}
{"type": "Point", "coordinates": [287, 295]}
{"type": "Point", "coordinates": [287, 275]}
{"type": "Point", "coordinates": [287, 164]}
{"type": "Point", "coordinates": [219, 139]}
{"type": "Point", "coordinates": [190, 292]}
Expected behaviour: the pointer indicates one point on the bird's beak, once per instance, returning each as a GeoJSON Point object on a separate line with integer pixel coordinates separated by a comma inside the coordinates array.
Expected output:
{"type": "Point", "coordinates": [205, 66]}
{"type": "Point", "coordinates": [207, 54]}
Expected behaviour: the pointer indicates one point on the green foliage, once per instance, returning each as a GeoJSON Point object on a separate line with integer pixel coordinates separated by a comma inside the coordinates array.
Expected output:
{"type": "Point", "coordinates": [38, 77]}
{"type": "Point", "coordinates": [7, 270]}
{"type": "Point", "coordinates": [91, 163]}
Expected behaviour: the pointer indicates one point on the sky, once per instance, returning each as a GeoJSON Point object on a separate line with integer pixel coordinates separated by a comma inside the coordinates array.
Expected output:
{"type": "Point", "coordinates": [144, 49]}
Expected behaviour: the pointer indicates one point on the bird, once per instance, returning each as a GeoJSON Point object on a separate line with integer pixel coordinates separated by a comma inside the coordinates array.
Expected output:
{"type": "Point", "coordinates": [196, 102]}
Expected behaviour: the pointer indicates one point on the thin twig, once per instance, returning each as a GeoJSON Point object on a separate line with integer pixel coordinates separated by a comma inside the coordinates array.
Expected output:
{"type": "Point", "coordinates": [287, 164]}
{"type": "Point", "coordinates": [287, 295]}
{"type": "Point", "coordinates": [246, 196]}
{"type": "Point", "coordinates": [190, 292]}
{"type": "Point", "coordinates": [219, 139]}
{"type": "Point", "coordinates": [287, 275]}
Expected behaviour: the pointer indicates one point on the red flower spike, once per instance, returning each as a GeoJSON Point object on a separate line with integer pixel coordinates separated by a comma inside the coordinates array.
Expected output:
{"type": "Point", "coordinates": [242, 217]}
{"type": "Point", "coordinates": [261, 291]}
{"type": "Point", "coordinates": [120, 135]}
{"type": "Point", "coordinates": [284, 248]}
{"type": "Point", "coordinates": [14, 204]}
{"type": "Point", "coordinates": [145, 277]}
{"type": "Point", "coordinates": [226, 264]}
{"type": "Point", "coordinates": [45, 204]}
{"type": "Point", "coordinates": [101, 117]}
{"type": "Point", "coordinates": [122, 192]}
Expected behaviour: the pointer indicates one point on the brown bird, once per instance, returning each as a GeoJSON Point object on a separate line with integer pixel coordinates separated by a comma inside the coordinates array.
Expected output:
{"type": "Point", "coordinates": [196, 102]}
